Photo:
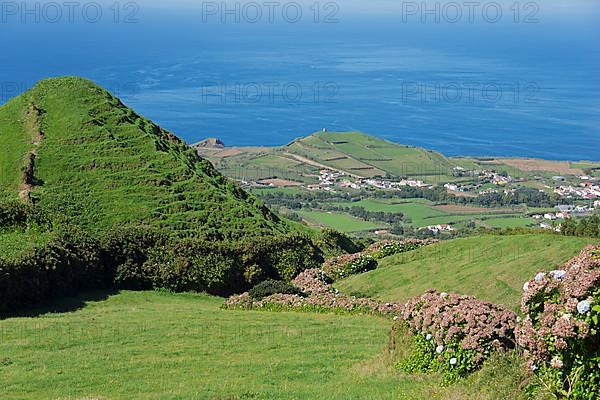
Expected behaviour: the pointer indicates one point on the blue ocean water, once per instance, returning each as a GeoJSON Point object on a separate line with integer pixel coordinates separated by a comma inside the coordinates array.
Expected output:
{"type": "Point", "coordinates": [506, 89]}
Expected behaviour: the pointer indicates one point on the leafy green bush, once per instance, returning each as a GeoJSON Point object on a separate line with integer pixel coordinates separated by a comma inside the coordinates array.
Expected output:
{"type": "Point", "coordinates": [361, 264]}
{"type": "Point", "coordinates": [269, 287]}
{"type": "Point", "coordinates": [334, 243]}
{"type": "Point", "coordinates": [455, 362]}
{"type": "Point", "coordinates": [70, 262]}
{"type": "Point", "coordinates": [125, 251]}
{"type": "Point", "coordinates": [224, 268]}
{"type": "Point", "coordinates": [14, 214]}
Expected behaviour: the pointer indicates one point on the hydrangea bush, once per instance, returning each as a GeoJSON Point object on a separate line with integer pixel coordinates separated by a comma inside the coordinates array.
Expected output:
{"type": "Point", "coordinates": [389, 248]}
{"type": "Point", "coordinates": [454, 333]}
{"type": "Point", "coordinates": [351, 264]}
{"type": "Point", "coordinates": [560, 331]}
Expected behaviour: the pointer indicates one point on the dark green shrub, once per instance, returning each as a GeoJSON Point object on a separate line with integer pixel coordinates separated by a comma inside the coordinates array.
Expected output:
{"type": "Point", "coordinates": [194, 266]}
{"type": "Point", "coordinates": [334, 243]}
{"type": "Point", "coordinates": [124, 252]}
{"type": "Point", "coordinates": [14, 214]}
{"type": "Point", "coordinates": [270, 287]}
{"type": "Point", "coordinates": [69, 263]}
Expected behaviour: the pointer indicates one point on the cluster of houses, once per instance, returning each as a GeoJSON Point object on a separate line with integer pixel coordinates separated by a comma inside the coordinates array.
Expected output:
{"type": "Point", "coordinates": [588, 189]}
{"type": "Point", "coordinates": [436, 229]}
{"type": "Point", "coordinates": [564, 212]}
{"type": "Point", "coordinates": [483, 177]}
{"type": "Point", "coordinates": [328, 179]}
{"type": "Point", "coordinates": [391, 185]}
{"type": "Point", "coordinates": [552, 216]}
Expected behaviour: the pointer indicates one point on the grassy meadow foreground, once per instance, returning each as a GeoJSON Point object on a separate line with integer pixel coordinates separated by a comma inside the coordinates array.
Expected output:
{"type": "Point", "coordinates": [153, 345]}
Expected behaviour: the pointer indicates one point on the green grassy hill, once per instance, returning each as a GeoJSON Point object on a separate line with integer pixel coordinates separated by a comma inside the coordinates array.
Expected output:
{"type": "Point", "coordinates": [367, 156]}
{"type": "Point", "coordinates": [72, 148]}
{"type": "Point", "coordinates": [150, 345]}
{"type": "Point", "coordinates": [490, 267]}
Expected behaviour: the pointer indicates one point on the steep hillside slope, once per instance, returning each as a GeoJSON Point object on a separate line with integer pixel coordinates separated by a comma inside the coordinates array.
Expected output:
{"type": "Point", "coordinates": [72, 148]}
{"type": "Point", "coordinates": [490, 267]}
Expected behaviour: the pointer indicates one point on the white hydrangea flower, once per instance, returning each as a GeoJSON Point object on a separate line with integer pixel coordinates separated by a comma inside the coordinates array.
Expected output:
{"type": "Point", "coordinates": [526, 287]}
{"type": "Point", "coordinates": [396, 318]}
{"type": "Point", "coordinates": [439, 349]}
{"type": "Point", "coordinates": [428, 337]}
{"type": "Point", "coordinates": [443, 295]}
{"type": "Point", "coordinates": [556, 363]}
{"type": "Point", "coordinates": [539, 277]}
{"type": "Point", "coordinates": [584, 306]}
{"type": "Point", "coordinates": [558, 274]}
{"type": "Point", "coordinates": [453, 361]}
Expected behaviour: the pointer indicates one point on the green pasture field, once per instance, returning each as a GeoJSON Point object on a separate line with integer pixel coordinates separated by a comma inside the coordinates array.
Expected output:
{"type": "Point", "coordinates": [153, 345]}
{"type": "Point", "coordinates": [491, 267]}
{"type": "Point", "coordinates": [340, 221]}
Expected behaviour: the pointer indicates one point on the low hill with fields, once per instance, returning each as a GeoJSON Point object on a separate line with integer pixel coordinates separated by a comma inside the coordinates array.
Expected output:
{"type": "Point", "coordinates": [490, 267]}
{"type": "Point", "coordinates": [72, 148]}
{"type": "Point", "coordinates": [355, 154]}
{"type": "Point", "coordinates": [366, 156]}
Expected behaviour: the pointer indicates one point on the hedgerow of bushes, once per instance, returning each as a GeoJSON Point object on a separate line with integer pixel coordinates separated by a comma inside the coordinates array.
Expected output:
{"type": "Point", "coordinates": [560, 333]}
{"type": "Point", "coordinates": [144, 258]}
{"type": "Point", "coordinates": [343, 266]}
{"type": "Point", "coordinates": [349, 264]}
{"type": "Point", "coordinates": [381, 250]}
{"type": "Point", "coordinates": [318, 296]}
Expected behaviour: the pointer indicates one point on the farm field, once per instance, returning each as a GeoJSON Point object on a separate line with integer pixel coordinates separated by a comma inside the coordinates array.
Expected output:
{"type": "Point", "coordinates": [515, 222]}
{"type": "Point", "coordinates": [492, 268]}
{"type": "Point", "coordinates": [340, 221]}
{"type": "Point", "coordinates": [286, 190]}
{"type": "Point", "coordinates": [153, 345]}
{"type": "Point", "coordinates": [423, 213]}
{"type": "Point", "coordinates": [585, 165]}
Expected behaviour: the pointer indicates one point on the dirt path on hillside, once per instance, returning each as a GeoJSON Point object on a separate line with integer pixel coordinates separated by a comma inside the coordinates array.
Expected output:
{"type": "Point", "coordinates": [32, 125]}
